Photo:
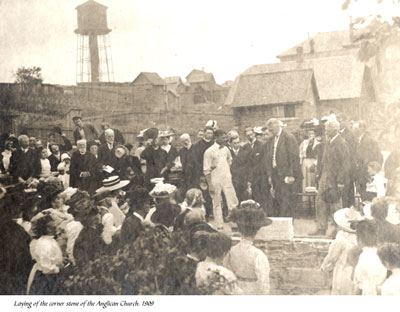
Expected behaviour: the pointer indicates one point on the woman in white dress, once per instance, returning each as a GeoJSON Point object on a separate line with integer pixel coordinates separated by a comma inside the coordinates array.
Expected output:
{"type": "Point", "coordinates": [212, 277]}
{"type": "Point", "coordinates": [250, 264]}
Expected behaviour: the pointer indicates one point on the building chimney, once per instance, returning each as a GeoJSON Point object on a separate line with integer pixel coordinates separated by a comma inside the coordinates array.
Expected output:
{"type": "Point", "coordinates": [312, 44]}
{"type": "Point", "coordinates": [299, 53]}
{"type": "Point", "coordinates": [351, 30]}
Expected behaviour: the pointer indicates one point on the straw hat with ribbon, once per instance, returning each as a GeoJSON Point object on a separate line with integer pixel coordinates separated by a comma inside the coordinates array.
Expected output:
{"type": "Point", "coordinates": [111, 184]}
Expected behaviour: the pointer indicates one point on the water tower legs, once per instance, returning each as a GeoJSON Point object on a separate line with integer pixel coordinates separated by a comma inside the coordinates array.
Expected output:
{"type": "Point", "coordinates": [94, 58]}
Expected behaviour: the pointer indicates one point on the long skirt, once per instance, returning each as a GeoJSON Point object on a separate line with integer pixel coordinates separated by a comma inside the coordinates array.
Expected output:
{"type": "Point", "coordinates": [308, 169]}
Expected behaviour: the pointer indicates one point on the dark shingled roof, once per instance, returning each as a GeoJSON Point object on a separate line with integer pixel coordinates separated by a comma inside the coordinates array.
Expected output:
{"type": "Point", "coordinates": [338, 77]}
{"type": "Point", "coordinates": [90, 3]}
{"type": "Point", "coordinates": [198, 76]}
{"type": "Point", "coordinates": [323, 42]}
{"type": "Point", "coordinates": [272, 88]}
{"type": "Point", "coordinates": [153, 78]}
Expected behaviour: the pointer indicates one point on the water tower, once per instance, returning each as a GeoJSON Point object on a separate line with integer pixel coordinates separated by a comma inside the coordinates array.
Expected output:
{"type": "Point", "coordinates": [94, 63]}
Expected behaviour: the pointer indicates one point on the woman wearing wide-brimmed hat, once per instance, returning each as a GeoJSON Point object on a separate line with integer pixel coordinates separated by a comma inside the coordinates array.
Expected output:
{"type": "Point", "coordinates": [172, 152]}
{"type": "Point", "coordinates": [90, 243]}
{"type": "Point", "coordinates": [108, 194]}
{"type": "Point", "coordinates": [249, 263]}
{"type": "Point", "coordinates": [336, 260]}
{"type": "Point", "coordinates": [128, 167]}
{"type": "Point", "coordinates": [166, 208]}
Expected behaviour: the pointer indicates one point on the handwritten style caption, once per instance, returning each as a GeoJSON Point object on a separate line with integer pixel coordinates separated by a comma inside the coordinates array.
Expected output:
{"type": "Point", "coordinates": [26, 304]}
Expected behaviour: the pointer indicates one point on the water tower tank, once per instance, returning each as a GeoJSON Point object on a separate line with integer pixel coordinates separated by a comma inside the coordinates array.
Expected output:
{"type": "Point", "coordinates": [92, 19]}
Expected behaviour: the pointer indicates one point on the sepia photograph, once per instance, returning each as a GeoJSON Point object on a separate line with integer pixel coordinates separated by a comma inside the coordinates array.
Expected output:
{"type": "Point", "coordinates": [198, 148]}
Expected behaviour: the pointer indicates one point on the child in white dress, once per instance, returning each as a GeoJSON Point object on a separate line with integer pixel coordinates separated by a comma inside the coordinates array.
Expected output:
{"type": "Point", "coordinates": [377, 186]}
{"type": "Point", "coordinates": [345, 241]}
{"type": "Point", "coordinates": [390, 257]}
{"type": "Point", "coordinates": [369, 272]}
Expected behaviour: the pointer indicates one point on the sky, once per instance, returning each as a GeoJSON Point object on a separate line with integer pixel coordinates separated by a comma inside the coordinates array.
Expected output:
{"type": "Point", "coordinates": [171, 37]}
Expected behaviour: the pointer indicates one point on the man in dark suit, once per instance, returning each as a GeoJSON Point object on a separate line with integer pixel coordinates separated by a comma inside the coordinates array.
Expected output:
{"type": "Point", "coordinates": [285, 167]}
{"type": "Point", "coordinates": [256, 176]}
{"type": "Point", "coordinates": [107, 150]}
{"type": "Point", "coordinates": [334, 176]}
{"type": "Point", "coordinates": [188, 161]}
{"type": "Point", "coordinates": [348, 135]}
{"type": "Point", "coordinates": [199, 149]}
{"type": "Point", "coordinates": [23, 162]}
{"type": "Point", "coordinates": [367, 150]}
{"type": "Point", "coordinates": [83, 169]}
{"type": "Point", "coordinates": [57, 149]}
{"type": "Point", "coordinates": [117, 134]}
{"type": "Point", "coordinates": [239, 168]}
{"type": "Point", "coordinates": [84, 131]}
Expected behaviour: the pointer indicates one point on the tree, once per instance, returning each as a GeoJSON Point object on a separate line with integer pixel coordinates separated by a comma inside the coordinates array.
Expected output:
{"type": "Point", "coordinates": [28, 75]}
{"type": "Point", "coordinates": [373, 31]}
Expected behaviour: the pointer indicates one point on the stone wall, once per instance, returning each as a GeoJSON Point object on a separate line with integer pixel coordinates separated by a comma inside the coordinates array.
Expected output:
{"type": "Point", "coordinates": [295, 266]}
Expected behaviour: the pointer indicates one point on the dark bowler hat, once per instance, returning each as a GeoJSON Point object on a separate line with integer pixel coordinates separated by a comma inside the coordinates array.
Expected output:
{"type": "Point", "coordinates": [92, 142]}
{"type": "Point", "coordinates": [75, 118]}
{"type": "Point", "coordinates": [56, 129]}
{"type": "Point", "coordinates": [151, 133]}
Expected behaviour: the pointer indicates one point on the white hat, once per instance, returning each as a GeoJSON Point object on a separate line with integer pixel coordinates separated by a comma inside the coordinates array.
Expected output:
{"type": "Point", "coordinates": [212, 124]}
{"type": "Point", "coordinates": [65, 156]}
{"type": "Point", "coordinates": [111, 184]}
{"type": "Point", "coordinates": [140, 135]}
{"type": "Point", "coordinates": [343, 218]}
{"type": "Point", "coordinates": [61, 166]}
{"type": "Point", "coordinates": [257, 130]}
{"type": "Point", "coordinates": [162, 190]}
{"type": "Point", "coordinates": [120, 151]}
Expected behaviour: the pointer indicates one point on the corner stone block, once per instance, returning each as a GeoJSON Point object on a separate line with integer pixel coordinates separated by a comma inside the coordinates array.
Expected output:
{"type": "Point", "coordinates": [280, 229]}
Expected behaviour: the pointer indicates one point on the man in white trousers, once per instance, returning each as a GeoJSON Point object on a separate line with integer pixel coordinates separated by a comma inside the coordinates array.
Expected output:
{"type": "Point", "coordinates": [217, 161]}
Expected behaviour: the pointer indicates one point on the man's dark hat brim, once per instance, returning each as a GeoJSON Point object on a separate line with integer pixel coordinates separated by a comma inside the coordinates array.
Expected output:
{"type": "Point", "coordinates": [76, 118]}
{"type": "Point", "coordinates": [151, 133]}
{"type": "Point", "coordinates": [56, 129]}
{"type": "Point", "coordinates": [90, 143]}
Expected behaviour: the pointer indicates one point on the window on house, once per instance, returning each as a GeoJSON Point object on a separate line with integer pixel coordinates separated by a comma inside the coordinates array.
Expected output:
{"type": "Point", "coordinates": [290, 111]}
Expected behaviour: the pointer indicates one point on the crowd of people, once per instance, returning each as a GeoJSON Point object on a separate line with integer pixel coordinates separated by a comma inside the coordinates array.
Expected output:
{"type": "Point", "coordinates": [66, 205]}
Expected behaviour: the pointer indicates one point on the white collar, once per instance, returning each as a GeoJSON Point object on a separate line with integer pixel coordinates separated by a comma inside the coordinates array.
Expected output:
{"type": "Point", "coordinates": [361, 136]}
{"type": "Point", "coordinates": [333, 139]}
{"type": "Point", "coordinates": [138, 216]}
{"type": "Point", "coordinates": [208, 141]}
{"type": "Point", "coordinates": [279, 135]}
{"type": "Point", "coordinates": [166, 148]}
